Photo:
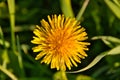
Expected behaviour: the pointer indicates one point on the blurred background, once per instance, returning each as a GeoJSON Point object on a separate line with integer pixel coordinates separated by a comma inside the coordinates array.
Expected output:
{"type": "Point", "coordinates": [101, 18]}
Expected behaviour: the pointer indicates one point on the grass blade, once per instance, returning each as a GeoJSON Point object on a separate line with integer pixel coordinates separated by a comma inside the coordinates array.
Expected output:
{"type": "Point", "coordinates": [115, 9]}
{"type": "Point", "coordinates": [66, 8]}
{"type": "Point", "coordinates": [20, 57]}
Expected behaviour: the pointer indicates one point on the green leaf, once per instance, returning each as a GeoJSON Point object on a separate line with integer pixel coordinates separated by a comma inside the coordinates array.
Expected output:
{"type": "Point", "coordinates": [115, 9]}
{"type": "Point", "coordinates": [108, 40]}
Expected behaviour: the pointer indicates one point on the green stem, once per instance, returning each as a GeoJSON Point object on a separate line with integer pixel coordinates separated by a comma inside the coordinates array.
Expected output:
{"type": "Point", "coordinates": [12, 33]}
{"type": "Point", "coordinates": [12, 76]}
{"type": "Point", "coordinates": [82, 10]}
{"type": "Point", "coordinates": [63, 75]}
{"type": "Point", "coordinates": [11, 6]}
{"type": "Point", "coordinates": [67, 8]}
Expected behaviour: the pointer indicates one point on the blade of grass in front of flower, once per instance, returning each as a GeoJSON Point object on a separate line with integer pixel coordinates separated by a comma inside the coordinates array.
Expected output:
{"type": "Point", "coordinates": [82, 10]}
{"type": "Point", "coordinates": [66, 8]}
{"type": "Point", "coordinates": [115, 9]}
{"type": "Point", "coordinates": [11, 7]}
{"type": "Point", "coordinates": [114, 51]}
{"type": "Point", "coordinates": [108, 40]}
{"type": "Point", "coordinates": [94, 62]}
{"type": "Point", "coordinates": [11, 75]}
{"type": "Point", "coordinates": [20, 58]}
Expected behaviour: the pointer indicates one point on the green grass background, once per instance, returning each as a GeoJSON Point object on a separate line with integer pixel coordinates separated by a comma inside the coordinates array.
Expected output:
{"type": "Point", "coordinates": [100, 18]}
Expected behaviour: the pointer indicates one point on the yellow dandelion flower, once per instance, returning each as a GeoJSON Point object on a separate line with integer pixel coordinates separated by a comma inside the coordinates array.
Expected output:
{"type": "Point", "coordinates": [60, 42]}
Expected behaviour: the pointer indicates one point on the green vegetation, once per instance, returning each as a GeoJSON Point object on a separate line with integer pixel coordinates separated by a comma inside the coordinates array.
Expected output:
{"type": "Point", "coordinates": [101, 18]}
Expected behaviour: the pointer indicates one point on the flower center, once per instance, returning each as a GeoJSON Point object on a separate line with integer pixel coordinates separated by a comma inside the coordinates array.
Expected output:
{"type": "Point", "coordinates": [57, 41]}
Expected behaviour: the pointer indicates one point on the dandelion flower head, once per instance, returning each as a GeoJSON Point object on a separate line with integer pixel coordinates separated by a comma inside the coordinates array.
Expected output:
{"type": "Point", "coordinates": [59, 42]}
